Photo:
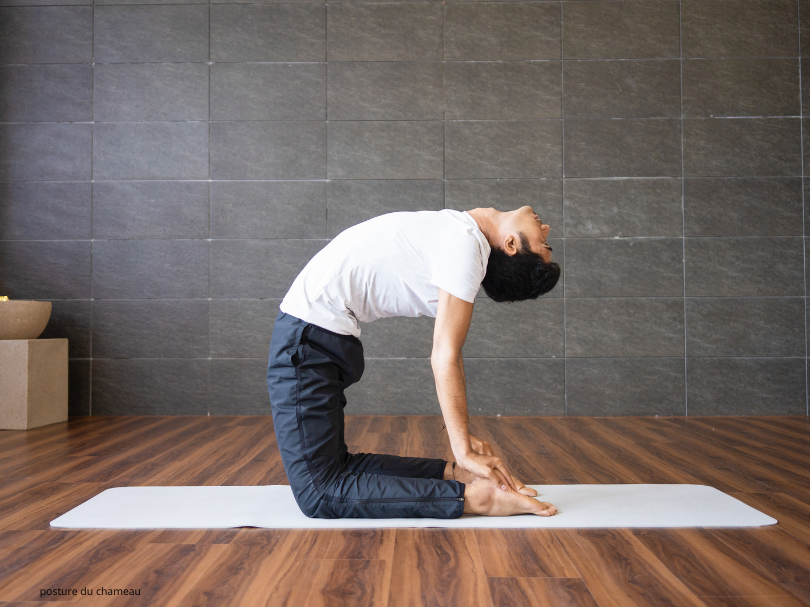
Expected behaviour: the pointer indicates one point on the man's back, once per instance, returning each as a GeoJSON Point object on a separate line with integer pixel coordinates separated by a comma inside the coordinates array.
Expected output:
{"type": "Point", "coordinates": [391, 265]}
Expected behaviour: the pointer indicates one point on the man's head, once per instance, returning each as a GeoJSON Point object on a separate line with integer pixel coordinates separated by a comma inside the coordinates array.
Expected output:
{"type": "Point", "coordinates": [520, 265]}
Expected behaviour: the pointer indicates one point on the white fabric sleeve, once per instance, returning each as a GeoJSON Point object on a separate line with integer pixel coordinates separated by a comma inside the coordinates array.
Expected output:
{"type": "Point", "coordinates": [459, 271]}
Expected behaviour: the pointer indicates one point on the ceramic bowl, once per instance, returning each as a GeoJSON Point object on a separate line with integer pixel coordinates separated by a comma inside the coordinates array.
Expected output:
{"type": "Point", "coordinates": [23, 319]}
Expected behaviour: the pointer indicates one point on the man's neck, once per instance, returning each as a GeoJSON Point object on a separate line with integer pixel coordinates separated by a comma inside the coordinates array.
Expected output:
{"type": "Point", "coordinates": [487, 223]}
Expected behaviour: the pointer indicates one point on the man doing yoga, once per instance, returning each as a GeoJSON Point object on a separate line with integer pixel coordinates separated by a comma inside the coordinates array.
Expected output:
{"type": "Point", "coordinates": [428, 263]}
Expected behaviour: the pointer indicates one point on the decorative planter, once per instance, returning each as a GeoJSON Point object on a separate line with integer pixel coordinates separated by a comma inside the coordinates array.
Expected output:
{"type": "Point", "coordinates": [23, 319]}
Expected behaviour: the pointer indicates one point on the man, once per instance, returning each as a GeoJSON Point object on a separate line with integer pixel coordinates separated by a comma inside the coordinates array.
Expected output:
{"type": "Point", "coordinates": [401, 264]}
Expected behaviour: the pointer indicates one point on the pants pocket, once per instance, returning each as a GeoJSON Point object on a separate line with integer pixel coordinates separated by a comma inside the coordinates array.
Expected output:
{"type": "Point", "coordinates": [299, 354]}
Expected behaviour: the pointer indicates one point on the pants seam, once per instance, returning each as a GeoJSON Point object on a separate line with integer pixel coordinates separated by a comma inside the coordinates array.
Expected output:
{"type": "Point", "coordinates": [378, 470]}
{"type": "Point", "coordinates": [390, 500]}
{"type": "Point", "coordinates": [298, 419]}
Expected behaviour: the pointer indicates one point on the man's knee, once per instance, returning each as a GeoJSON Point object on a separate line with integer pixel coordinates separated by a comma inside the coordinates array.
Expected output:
{"type": "Point", "coordinates": [311, 503]}
{"type": "Point", "coordinates": [309, 508]}
{"type": "Point", "coordinates": [313, 494]}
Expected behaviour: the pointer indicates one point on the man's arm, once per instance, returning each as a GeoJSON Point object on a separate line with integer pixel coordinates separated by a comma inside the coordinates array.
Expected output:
{"type": "Point", "coordinates": [453, 319]}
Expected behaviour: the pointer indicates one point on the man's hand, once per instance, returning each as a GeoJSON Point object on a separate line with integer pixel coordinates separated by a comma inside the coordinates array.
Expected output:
{"type": "Point", "coordinates": [484, 448]}
{"type": "Point", "coordinates": [482, 461]}
{"type": "Point", "coordinates": [489, 467]}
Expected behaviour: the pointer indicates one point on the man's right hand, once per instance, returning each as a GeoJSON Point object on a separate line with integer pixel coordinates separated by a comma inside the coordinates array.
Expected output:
{"type": "Point", "coordinates": [489, 467]}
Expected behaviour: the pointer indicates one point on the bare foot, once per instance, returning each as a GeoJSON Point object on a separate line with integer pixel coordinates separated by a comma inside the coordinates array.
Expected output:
{"type": "Point", "coordinates": [465, 476]}
{"type": "Point", "coordinates": [483, 497]}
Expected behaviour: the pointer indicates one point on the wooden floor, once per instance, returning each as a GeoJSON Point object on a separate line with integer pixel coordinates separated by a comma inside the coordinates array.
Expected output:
{"type": "Point", "coordinates": [762, 461]}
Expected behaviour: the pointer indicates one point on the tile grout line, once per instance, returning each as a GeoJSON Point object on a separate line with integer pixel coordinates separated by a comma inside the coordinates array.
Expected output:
{"type": "Point", "coordinates": [547, 358]}
{"type": "Point", "coordinates": [582, 238]}
{"type": "Point", "coordinates": [264, 4]}
{"type": "Point", "coordinates": [683, 217]}
{"type": "Point", "coordinates": [437, 120]}
{"type": "Point", "coordinates": [208, 370]}
{"type": "Point", "coordinates": [235, 180]}
{"type": "Point", "coordinates": [562, 230]}
{"type": "Point", "coordinates": [444, 106]}
{"type": "Point", "coordinates": [92, 201]}
{"type": "Point", "coordinates": [574, 59]}
{"type": "Point", "coordinates": [804, 211]}
{"type": "Point", "coordinates": [326, 115]}
{"type": "Point", "coordinates": [578, 298]}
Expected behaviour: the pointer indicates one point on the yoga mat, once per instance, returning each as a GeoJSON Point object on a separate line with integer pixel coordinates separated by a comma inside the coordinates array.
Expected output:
{"type": "Point", "coordinates": [273, 507]}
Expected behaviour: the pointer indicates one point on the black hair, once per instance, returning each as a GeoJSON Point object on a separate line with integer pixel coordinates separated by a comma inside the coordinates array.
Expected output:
{"type": "Point", "coordinates": [524, 275]}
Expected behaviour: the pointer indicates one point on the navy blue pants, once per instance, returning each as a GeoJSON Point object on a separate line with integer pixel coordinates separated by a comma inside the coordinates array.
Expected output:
{"type": "Point", "coordinates": [308, 370]}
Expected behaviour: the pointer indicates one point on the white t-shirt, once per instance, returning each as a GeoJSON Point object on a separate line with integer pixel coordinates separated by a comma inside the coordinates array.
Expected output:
{"type": "Point", "coordinates": [391, 265]}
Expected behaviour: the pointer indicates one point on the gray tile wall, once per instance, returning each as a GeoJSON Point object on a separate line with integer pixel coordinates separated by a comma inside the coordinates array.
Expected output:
{"type": "Point", "coordinates": [167, 169]}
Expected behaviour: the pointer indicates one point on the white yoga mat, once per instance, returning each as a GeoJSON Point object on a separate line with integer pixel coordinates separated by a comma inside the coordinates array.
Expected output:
{"type": "Point", "coordinates": [273, 507]}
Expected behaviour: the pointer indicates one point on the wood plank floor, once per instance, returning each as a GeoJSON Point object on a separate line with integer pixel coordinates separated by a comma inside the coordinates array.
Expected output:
{"type": "Point", "coordinates": [761, 460]}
